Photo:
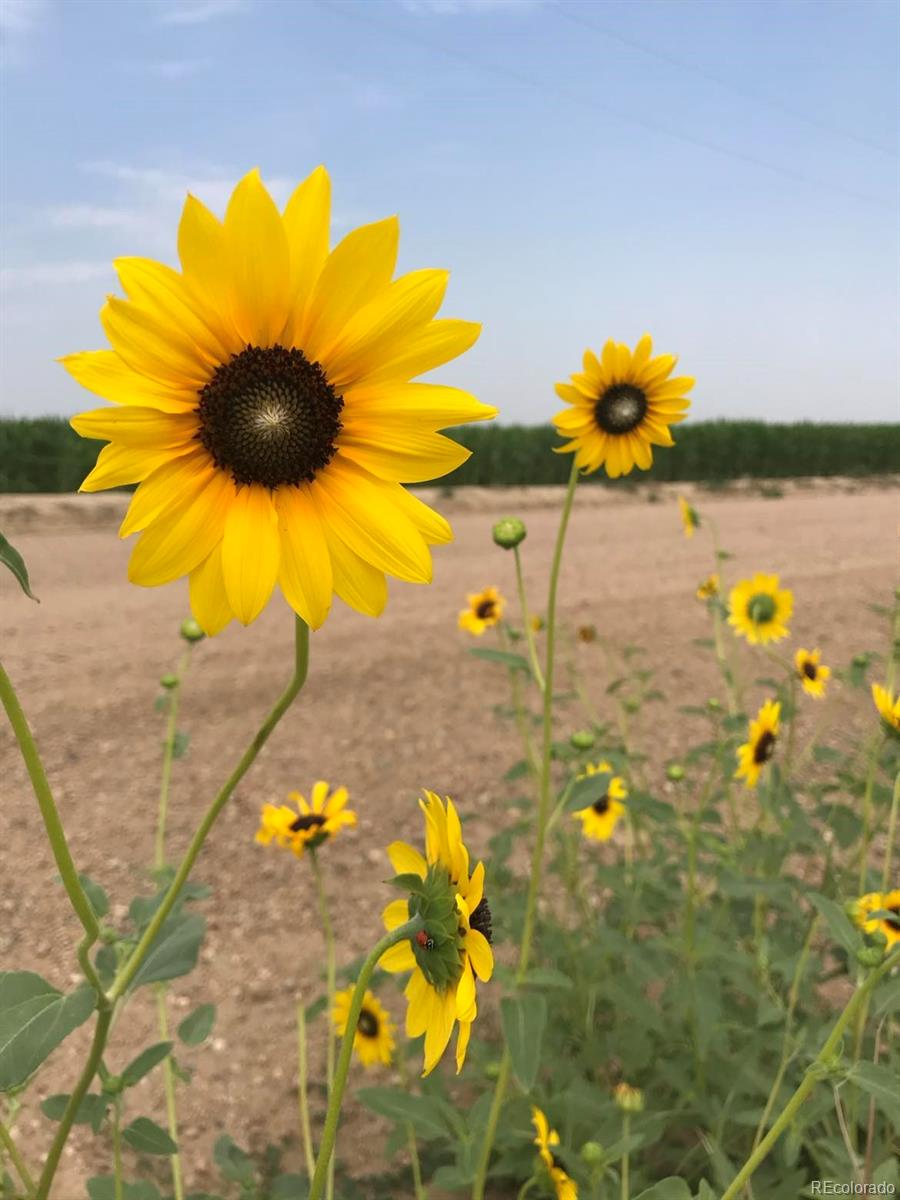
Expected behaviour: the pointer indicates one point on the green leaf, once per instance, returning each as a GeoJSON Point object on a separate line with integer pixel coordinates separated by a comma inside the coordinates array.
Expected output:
{"type": "Point", "coordinates": [880, 1082]}
{"type": "Point", "coordinates": [424, 1116]}
{"type": "Point", "coordinates": [198, 1025]}
{"type": "Point", "coordinates": [34, 1019]}
{"type": "Point", "coordinates": [233, 1162]}
{"type": "Point", "coordinates": [97, 897]}
{"type": "Point", "coordinates": [175, 950]}
{"type": "Point", "coordinates": [288, 1187]}
{"type": "Point", "coordinates": [103, 1187]}
{"type": "Point", "coordinates": [147, 1137]}
{"type": "Point", "coordinates": [409, 882]}
{"type": "Point", "coordinates": [90, 1111]}
{"type": "Point", "coordinates": [180, 744]}
{"type": "Point", "coordinates": [585, 791]}
{"type": "Point", "coordinates": [837, 921]}
{"type": "Point", "coordinates": [515, 662]}
{"type": "Point", "coordinates": [673, 1188]}
{"type": "Point", "coordinates": [523, 1021]}
{"type": "Point", "coordinates": [145, 1062]}
{"type": "Point", "coordinates": [547, 977]}
{"type": "Point", "coordinates": [706, 1192]}
{"type": "Point", "coordinates": [10, 557]}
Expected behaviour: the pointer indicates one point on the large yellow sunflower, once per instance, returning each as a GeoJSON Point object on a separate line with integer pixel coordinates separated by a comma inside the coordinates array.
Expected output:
{"type": "Point", "coordinates": [599, 819]}
{"type": "Point", "coordinates": [373, 1041]}
{"type": "Point", "coordinates": [546, 1139]}
{"type": "Point", "coordinates": [439, 997]}
{"type": "Point", "coordinates": [888, 707]}
{"type": "Point", "coordinates": [874, 902]}
{"type": "Point", "coordinates": [813, 673]}
{"type": "Point", "coordinates": [760, 744]}
{"type": "Point", "coordinates": [306, 826]}
{"type": "Point", "coordinates": [263, 403]}
{"type": "Point", "coordinates": [622, 405]}
{"type": "Point", "coordinates": [758, 609]}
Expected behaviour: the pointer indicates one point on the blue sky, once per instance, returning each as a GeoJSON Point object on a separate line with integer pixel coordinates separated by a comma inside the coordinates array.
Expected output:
{"type": "Point", "coordinates": [722, 174]}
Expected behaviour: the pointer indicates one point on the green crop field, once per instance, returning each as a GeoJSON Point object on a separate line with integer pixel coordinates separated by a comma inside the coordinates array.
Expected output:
{"type": "Point", "coordinates": [45, 455]}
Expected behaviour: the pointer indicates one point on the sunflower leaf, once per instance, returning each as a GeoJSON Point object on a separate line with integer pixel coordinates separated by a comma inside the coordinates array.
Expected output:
{"type": "Point", "coordinates": [34, 1018]}
{"type": "Point", "coordinates": [409, 882]}
{"type": "Point", "coordinates": [11, 558]}
{"type": "Point", "coordinates": [148, 1137]}
{"type": "Point", "coordinates": [198, 1025]}
{"type": "Point", "coordinates": [145, 1062]}
{"type": "Point", "coordinates": [420, 1111]}
{"type": "Point", "coordinates": [524, 1020]}
{"type": "Point", "coordinates": [673, 1188]}
{"type": "Point", "coordinates": [837, 921]}
{"type": "Point", "coordinates": [585, 791]}
{"type": "Point", "coordinates": [515, 662]}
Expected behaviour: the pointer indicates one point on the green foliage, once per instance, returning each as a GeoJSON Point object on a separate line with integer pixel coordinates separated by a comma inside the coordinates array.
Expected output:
{"type": "Point", "coordinates": [198, 1025]}
{"type": "Point", "coordinates": [34, 1018]}
{"type": "Point", "coordinates": [13, 561]}
{"type": "Point", "coordinates": [146, 1136]}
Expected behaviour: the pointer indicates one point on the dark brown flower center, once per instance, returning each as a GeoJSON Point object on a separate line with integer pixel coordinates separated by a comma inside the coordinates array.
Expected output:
{"type": "Point", "coordinates": [270, 416]}
{"type": "Point", "coordinates": [485, 610]}
{"type": "Point", "coordinates": [601, 806]}
{"type": "Point", "coordinates": [368, 1023]}
{"type": "Point", "coordinates": [894, 919]}
{"type": "Point", "coordinates": [309, 821]}
{"type": "Point", "coordinates": [764, 748]}
{"type": "Point", "coordinates": [621, 408]}
{"type": "Point", "coordinates": [481, 920]}
{"type": "Point", "coordinates": [810, 670]}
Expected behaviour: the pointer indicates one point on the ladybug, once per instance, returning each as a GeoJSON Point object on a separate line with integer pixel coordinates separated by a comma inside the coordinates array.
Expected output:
{"type": "Point", "coordinates": [423, 940]}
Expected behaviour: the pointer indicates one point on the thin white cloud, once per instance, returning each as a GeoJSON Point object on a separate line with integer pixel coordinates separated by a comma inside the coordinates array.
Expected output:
{"type": "Point", "coordinates": [94, 216]}
{"type": "Point", "coordinates": [53, 273]}
{"type": "Point", "coordinates": [198, 12]}
{"type": "Point", "coordinates": [177, 68]}
{"type": "Point", "coordinates": [21, 16]}
{"type": "Point", "coordinates": [454, 8]}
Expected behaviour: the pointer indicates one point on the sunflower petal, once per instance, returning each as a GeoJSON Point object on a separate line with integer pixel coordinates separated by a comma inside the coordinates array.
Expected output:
{"type": "Point", "coordinates": [259, 263]}
{"type": "Point", "coordinates": [125, 464]}
{"type": "Point", "coordinates": [137, 427]}
{"type": "Point", "coordinates": [306, 220]}
{"type": "Point", "coordinates": [152, 348]}
{"type": "Point", "coordinates": [162, 292]}
{"type": "Point", "coordinates": [304, 574]}
{"type": "Point", "coordinates": [436, 344]}
{"type": "Point", "coordinates": [397, 452]}
{"type": "Point", "coordinates": [356, 582]}
{"type": "Point", "coordinates": [106, 374]}
{"type": "Point", "coordinates": [480, 953]}
{"type": "Point", "coordinates": [183, 534]}
{"type": "Point", "coordinates": [209, 604]}
{"type": "Point", "coordinates": [430, 405]}
{"type": "Point", "coordinates": [406, 860]}
{"type": "Point", "coordinates": [204, 263]}
{"type": "Point", "coordinates": [176, 476]}
{"type": "Point", "coordinates": [251, 552]}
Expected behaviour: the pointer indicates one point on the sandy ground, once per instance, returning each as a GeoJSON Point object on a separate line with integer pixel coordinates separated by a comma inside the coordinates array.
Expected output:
{"type": "Point", "coordinates": [391, 706]}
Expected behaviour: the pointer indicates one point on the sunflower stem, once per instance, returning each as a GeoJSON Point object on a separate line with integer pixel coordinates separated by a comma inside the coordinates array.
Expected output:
{"type": "Point", "coordinates": [117, 1148]}
{"type": "Point", "coordinates": [541, 833]}
{"type": "Point", "coordinates": [526, 621]}
{"type": "Point", "coordinates": [330, 973]}
{"type": "Point", "coordinates": [303, 1091]}
{"type": "Point", "coordinates": [871, 771]}
{"type": "Point", "coordinates": [162, 1017]}
{"type": "Point", "coordinates": [891, 834]}
{"type": "Point", "coordinates": [301, 666]}
{"type": "Point", "coordinates": [625, 1191]}
{"type": "Point", "coordinates": [817, 1070]}
{"type": "Point", "coordinates": [332, 1117]}
{"type": "Point", "coordinates": [15, 1157]}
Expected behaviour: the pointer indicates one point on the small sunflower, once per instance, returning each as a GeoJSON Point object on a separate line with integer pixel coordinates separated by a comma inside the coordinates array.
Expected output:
{"type": "Point", "coordinates": [690, 518]}
{"type": "Point", "coordinates": [306, 826]}
{"type": "Point", "coordinates": [374, 1037]}
{"type": "Point", "coordinates": [485, 609]}
{"type": "Point", "coordinates": [760, 746]}
{"type": "Point", "coordinates": [262, 401]}
{"type": "Point", "coordinates": [812, 673]}
{"type": "Point", "coordinates": [709, 588]}
{"type": "Point", "coordinates": [441, 989]}
{"type": "Point", "coordinates": [546, 1139]}
{"type": "Point", "coordinates": [587, 633]}
{"type": "Point", "coordinates": [758, 609]}
{"type": "Point", "coordinates": [888, 707]}
{"type": "Point", "coordinates": [598, 820]}
{"type": "Point", "coordinates": [622, 405]}
{"type": "Point", "coordinates": [536, 622]}
{"type": "Point", "coordinates": [883, 902]}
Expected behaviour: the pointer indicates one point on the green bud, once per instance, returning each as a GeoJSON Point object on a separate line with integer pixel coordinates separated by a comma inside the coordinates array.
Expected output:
{"type": "Point", "coordinates": [675, 772]}
{"type": "Point", "coordinates": [629, 1099]}
{"type": "Point", "coordinates": [439, 958]}
{"type": "Point", "coordinates": [592, 1153]}
{"type": "Point", "coordinates": [761, 608]}
{"type": "Point", "coordinates": [509, 532]}
{"type": "Point", "coordinates": [169, 681]}
{"type": "Point", "coordinates": [860, 660]}
{"type": "Point", "coordinates": [631, 706]}
{"type": "Point", "coordinates": [114, 1085]}
{"type": "Point", "coordinates": [582, 739]}
{"type": "Point", "coordinates": [870, 956]}
{"type": "Point", "coordinates": [714, 704]}
{"type": "Point", "coordinates": [191, 631]}
{"type": "Point", "coordinates": [492, 1069]}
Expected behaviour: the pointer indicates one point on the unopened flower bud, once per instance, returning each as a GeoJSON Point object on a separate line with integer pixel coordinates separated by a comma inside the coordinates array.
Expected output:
{"type": "Point", "coordinates": [509, 532]}
{"type": "Point", "coordinates": [191, 631]}
{"type": "Point", "coordinates": [631, 706]}
{"type": "Point", "coordinates": [592, 1153]}
{"type": "Point", "coordinates": [870, 956]}
{"type": "Point", "coordinates": [582, 739]}
{"type": "Point", "coordinates": [492, 1069]}
{"type": "Point", "coordinates": [675, 772]}
{"type": "Point", "coordinates": [169, 681]}
{"type": "Point", "coordinates": [714, 704]}
{"type": "Point", "coordinates": [629, 1099]}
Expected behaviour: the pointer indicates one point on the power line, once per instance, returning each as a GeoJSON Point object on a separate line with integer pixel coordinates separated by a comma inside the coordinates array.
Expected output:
{"type": "Point", "coordinates": [365, 15]}
{"type": "Point", "coordinates": [739, 89]}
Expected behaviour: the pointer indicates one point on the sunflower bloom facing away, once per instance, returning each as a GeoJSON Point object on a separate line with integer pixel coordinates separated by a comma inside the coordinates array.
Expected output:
{"type": "Point", "coordinates": [888, 707]}
{"type": "Point", "coordinates": [760, 746]}
{"type": "Point", "coordinates": [709, 588]}
{"type": "Point", "coordinates": [485, 609]}
{"type": "Point", "coordinates": [262, 399]}
{"type": "Point", "coordinates": [455, 944]}
{"type": "Point", "coordinates": [373, 1041]}
{"type": "Point", "coordinates": [690, 518]}
{"type": "Point", "coordinates": [545, 1140]}
{"type": "Point", "coordinates": [813, 674]}
{"type": "Point", "coordinates": [305, 826]}
{"type": "Point", "coordinates": [758, 609]}
{"type": "Point", "coordinates": [621, 406]}
{"type": "Point", "coordinates": [599, 819]}
{"type": "Point", "coordinates": [885, 903]}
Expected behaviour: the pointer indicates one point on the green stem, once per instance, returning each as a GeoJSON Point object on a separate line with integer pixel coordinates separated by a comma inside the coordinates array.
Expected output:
{"type": "Point", "coordinates": [117, 1148]}
{"type": "Point", "coordinates": [722, 658]}
{"type": "Point", "coordinates": [168, 758]}
{"type": "Point", "coordinates": [16, 1158]}
{"type": "Point", "coordinates": [817, 1069]}
{"type": "Point", "coordinates": [526, 621]}
{"type": "Point", "coordinates": [418, 1185]}
{"type": "Point", "coordinates": [330, 974]}
{"type": "Point", "coordinates": [891, 833]}
{"type": "Point", "coordinates": [169, 1087]}
{"type": "Point", "coordinates": [303, 1091]}
{"type": "Point", "coordinates": [332, 1116]}
{"type": "Point", "coordinates": [55, 832]}
{"type": "Point", "coordinates": [626, 1131]}
{"type": "Point", "coordinates": [521, 712]}
{"type": "Point", "coordinates": [867, 811]}
{"type": "Point", "coordinates": [541, 833]}
{"type": "Point", "coordinates": [88, 1071]}
{"type": "Point", "coordinates": [301, 665]}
